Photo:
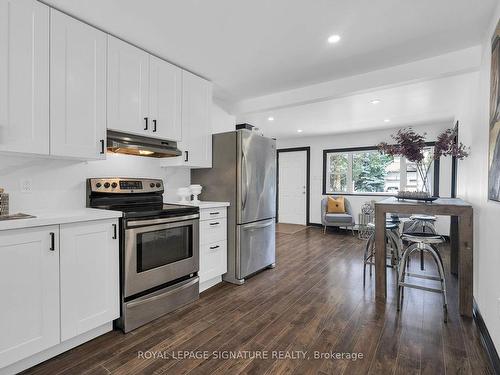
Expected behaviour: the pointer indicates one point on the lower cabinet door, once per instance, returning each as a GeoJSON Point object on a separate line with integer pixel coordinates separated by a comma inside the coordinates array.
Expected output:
{"type": "Point", "coordinates": [213, 260]}
{"type": "Point", "coordinates": [90, 289]}
{"type": "Point", "coordinates": [29, 289]}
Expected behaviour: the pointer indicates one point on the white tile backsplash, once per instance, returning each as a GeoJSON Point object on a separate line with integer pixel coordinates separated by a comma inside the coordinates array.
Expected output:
{"type": "Point", "coordinates": [61, 183]}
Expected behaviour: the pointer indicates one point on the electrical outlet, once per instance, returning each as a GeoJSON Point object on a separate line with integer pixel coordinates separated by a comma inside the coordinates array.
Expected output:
{"type": "Point", "coordinates": [26, 184]}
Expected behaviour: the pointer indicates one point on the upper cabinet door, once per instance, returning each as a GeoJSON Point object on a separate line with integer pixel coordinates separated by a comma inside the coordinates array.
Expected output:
{"type": "Point", "coordinates": [128, 88]}
{"type": "Point", "coordinates": [77, 88]}
{"type": "Point", "coordinates": [165, 99]}
{"type": "Point", "coordinates": [196, 121]}
{"type": "Point", "coordinates": [24, 76]}
{"type": "Point", "coordinates": [29, 286]}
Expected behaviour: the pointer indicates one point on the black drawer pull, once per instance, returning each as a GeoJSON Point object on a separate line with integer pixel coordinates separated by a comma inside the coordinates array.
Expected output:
{"type": "Point", "coordinates": [186, 159]}
{"type": "Point", "coordinates": [217, 223]}
{"type": "Point", "coordinates": [154, 126]}
{"type": "Point", "coordinates": [102, 146]}
{"type": "Point", "coordinates": [114, 232]}
{"type": "Point", "coordinates": [214, 213]}
{"type": "Point", "coordinates": [52, 241]}
{"type": "Point", "coordinates": [214, 247]}
{"type": "Point", "coordinates": [146, 126]}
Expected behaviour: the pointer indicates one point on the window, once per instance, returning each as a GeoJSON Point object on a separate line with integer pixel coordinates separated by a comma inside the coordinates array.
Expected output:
{"type": "Point", "coordinates": [366, 171]}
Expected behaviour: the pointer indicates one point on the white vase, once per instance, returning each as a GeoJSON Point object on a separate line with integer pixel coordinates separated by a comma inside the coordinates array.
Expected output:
{"type": "Point", "coordinates": [195, 191]}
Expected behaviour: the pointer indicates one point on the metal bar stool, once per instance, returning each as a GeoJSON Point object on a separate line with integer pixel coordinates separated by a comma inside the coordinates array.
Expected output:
{"type": "Point", "coordinates": [421, 224]}
{"type": "Point", "coordinates": [422, 242]}
{"type": "Point", "coordinates": [393, 243]}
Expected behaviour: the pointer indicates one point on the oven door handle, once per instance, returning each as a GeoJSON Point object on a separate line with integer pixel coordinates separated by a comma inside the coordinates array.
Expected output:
{"type": "Point", "coordinates": [140, 223]}
{"type": "Point", "coordinates": [163, 294]}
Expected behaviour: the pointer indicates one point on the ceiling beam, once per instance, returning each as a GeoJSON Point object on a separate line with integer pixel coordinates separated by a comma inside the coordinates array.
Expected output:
{"type": "Point", "coordinates": [458, 62]}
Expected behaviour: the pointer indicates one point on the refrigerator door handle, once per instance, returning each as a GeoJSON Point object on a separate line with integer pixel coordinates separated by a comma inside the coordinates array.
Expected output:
{"type": "Point", "coordinates": [244, 163]}
{"type": "Point", "coordinates": [258, 225]}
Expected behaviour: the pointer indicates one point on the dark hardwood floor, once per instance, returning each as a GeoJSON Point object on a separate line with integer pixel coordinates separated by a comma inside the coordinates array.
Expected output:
{"type": "Point", "coordinates": [312, 302]}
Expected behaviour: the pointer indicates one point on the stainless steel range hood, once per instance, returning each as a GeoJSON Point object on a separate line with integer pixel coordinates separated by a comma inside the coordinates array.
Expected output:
{"type": "Point", "coordinates": [124, 143]}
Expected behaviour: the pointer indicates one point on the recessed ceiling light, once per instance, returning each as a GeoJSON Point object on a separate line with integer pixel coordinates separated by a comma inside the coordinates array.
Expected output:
{"type": "Point", "coordinates": [270, 118]}
{"type": "Point", "coordinates": [299, 130]}
{"type": "Point", "coordinates": [333, 39]}
{"type": "Point", "coordinates": [375, 101]}
{"type": "Point", "coordinates": [387, 120]}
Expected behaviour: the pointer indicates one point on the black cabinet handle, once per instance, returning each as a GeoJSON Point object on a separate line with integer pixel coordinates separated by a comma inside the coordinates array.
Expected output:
{"type": "Point", "coordinates": [114, 232]}
{"type": "Point", "coordinates": [102, 146]}
{"type": "Point", "coordinates": [154, 125]}
{"type": "Point", "coordinates": [214, 213]}
{"type": "Point", "coordinates": [146, 126]}
{"type": "Point", "coordinates": [217, 223]}
{"type": "Point", "coordinates": [52, 241]}
{"type": "Point", "coordinates": [187, 155]}
{"type": "Point", "coordinates": [214, 247]}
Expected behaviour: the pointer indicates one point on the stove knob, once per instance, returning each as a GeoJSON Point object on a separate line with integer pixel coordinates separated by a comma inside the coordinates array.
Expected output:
{"type": "Point", "coordinates": [114, 185]}
{"type": "Point", "coordinates": [106, 185]}
{"type": "Point", "coordinates": [152, 185]}
{"type": "Point", "coordinates": [98, 185]}
{"type": "Point", "coordinates": [158, 185]}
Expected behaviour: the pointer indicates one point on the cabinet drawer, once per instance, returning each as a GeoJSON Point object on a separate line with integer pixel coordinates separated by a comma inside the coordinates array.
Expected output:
{"type": "Point", "coordinates": [213, 260]}
{"type": "Point", "coordinates": [213, 231]}
{"type": "Point", "coordinates": [212, 213]}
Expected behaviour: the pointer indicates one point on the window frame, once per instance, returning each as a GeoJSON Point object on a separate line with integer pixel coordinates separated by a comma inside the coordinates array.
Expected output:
{"type": "Point", "coordinates": [373, 148]}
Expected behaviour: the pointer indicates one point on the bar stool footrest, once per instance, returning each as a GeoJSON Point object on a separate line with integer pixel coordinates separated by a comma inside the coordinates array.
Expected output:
{"type": "Point", "coordinates": [415, 286]}
{"type": "Point", "coordinates": [423, 276]}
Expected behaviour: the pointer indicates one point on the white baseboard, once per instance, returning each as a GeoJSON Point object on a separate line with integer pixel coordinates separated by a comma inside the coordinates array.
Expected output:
{"type": "Point", "coordinates": [55, 350]}
{"type": "Point", "coordinates": [209, 283]}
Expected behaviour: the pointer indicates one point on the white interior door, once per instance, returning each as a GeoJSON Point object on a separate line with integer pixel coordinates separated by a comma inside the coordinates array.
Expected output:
{"type": "Point", "coordinates": [292, 187]}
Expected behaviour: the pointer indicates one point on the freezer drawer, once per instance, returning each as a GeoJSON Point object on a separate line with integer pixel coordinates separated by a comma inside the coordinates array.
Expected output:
{"type": "Point", "coordinates": [256, 247]}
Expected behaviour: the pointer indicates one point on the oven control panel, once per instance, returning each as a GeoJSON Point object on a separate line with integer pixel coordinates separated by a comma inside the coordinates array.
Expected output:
{"type": "Point", "coordinates": [125, 185]}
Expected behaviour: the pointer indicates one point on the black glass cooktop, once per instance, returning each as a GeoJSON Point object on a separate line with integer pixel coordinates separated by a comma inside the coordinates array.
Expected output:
{"type": "Point", "coordinates": [152, 210]}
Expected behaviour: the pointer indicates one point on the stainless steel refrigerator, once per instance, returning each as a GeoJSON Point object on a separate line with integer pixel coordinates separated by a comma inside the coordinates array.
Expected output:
{"type": "Point", "coordinates": [243, 173]}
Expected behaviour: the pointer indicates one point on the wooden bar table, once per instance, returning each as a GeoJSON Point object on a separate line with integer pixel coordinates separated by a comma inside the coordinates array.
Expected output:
{"type": "Point", "coordinates": [441, 206]}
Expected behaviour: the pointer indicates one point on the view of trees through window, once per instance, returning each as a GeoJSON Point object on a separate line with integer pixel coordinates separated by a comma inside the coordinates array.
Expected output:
{"type": "Point", "coordinates": [369, 171]}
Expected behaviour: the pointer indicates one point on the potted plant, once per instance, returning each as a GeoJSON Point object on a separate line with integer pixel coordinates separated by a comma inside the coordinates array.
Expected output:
{"type": "Point", "coordinates": [411, 145]}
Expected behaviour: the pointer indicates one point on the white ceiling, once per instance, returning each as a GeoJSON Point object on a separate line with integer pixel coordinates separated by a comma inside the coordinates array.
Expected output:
{"type": "Point", "coordinates": [254, 47]}
{"type": "Point", "coordinates": [428, 102]}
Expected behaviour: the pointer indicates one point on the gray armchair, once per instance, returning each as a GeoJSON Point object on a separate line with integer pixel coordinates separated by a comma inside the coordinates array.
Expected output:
{"type": "Point", "coordinates": [337, 220]}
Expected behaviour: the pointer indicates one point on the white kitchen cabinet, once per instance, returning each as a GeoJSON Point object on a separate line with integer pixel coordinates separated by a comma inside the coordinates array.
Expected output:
{"type": "Point", "coordinates": [90, 288]}
{"type": "Point", "coordinates": [29, 286]}
{"type": "Point", "coordinates": [77, 88]}
{"type": "Point", "coordinates": [128, 88]}
{"type": "Point", "coordinates": [165, 99]}
{"type": "Point", "coordinates": [24, 76]}
{"type": "Point", "coordinates": [144, 93]}
{"type": "Point", "coordinates": [213, 245]}
{"type": "Point", "coordinates": [196, 145]}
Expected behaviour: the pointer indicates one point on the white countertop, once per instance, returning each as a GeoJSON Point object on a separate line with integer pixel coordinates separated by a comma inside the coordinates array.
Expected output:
{"type": "Point", "coordinates": [54, 217]}
{"type": "Point", "coordinates": [204, 204]}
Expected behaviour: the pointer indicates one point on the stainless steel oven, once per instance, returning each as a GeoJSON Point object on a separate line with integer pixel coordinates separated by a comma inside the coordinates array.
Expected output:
{"type": "Point", "coordinates": [159, 248]}
{"type": "Point", "coordinates": [158, 251]}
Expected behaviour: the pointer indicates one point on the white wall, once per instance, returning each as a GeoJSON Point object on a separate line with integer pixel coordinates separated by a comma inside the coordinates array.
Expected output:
{"type": "Point", "coordinates": [318, 144]}
{"type": "Point", "coordinates": [61, 183]}
{"type": "Point", "coordinates": [221, 120]}
{"type": "Point", "coordinates": [473, 187]}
